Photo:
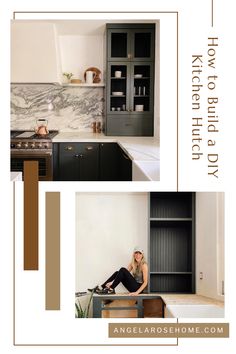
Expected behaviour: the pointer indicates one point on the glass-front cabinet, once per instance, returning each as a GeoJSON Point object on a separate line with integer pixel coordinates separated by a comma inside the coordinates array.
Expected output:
{"type": "Point", "coordinates": [130, 88]}
{"type": "Point", "coordinates": [130, 80]}
{"type": "Point", "coordinates": [134, 43]}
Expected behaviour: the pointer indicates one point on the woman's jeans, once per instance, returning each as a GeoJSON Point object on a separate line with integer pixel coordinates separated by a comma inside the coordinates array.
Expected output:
{"type": "Point", "coordinates": [125, 277]}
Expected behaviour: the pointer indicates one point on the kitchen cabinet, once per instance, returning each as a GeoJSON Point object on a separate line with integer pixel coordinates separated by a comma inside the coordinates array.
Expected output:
{"type": "Point", "coordinates": [125, 166]}
{"type": "Point", "coordinates": [90, 162]}
{"type": "Point", "coordinates": [34, 52]}
{"type": "Point", "coordinates": [130, 79]}
{"type": "Point", "coordinates": [128, 42]}
{"type": "Point", "coordinates": [78, 162]}
{"type": "Point", "coordinates": [109, 167]}
{"type": "Point", "coordinates": [172, 242]}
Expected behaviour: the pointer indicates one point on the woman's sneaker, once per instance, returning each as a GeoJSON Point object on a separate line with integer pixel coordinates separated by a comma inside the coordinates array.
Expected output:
{"type": "Point", "coordinates": [95, 289]}
{"type": "Point", "coordinates": [106, 291]}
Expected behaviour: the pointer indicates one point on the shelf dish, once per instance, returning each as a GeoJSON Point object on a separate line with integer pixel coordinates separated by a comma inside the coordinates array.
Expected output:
{"type": "Point", "coordinates": [117, 93]}
{"type": "Point", "coordinates": [137, 76]}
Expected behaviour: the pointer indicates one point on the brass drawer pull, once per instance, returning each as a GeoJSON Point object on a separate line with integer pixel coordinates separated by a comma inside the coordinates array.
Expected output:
{"type": "Point", "coordinates": [69, 148]}
{"type": "Point", "coordinates": [89, 148]}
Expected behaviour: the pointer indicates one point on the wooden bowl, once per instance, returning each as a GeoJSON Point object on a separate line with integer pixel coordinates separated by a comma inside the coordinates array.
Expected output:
{"type": "Point", "coordinates": [97, 77]}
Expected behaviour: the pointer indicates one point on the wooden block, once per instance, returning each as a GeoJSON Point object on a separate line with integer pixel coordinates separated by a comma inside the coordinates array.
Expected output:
{"type": "Point", "coordinates": [153, 308]}
{"type": "Point", "coordinates": [132, 313]}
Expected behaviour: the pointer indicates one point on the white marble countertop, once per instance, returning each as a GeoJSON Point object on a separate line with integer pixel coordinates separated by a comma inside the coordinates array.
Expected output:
{"type": "Point", "coordinates": [143, 151]}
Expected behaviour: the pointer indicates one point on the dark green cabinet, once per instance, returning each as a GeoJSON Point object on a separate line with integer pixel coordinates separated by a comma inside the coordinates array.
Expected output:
{"type": "Point", "coordinates": [109, 166]}
{"type": "Point", "coordinates": [78, 162]}
{"type": "Point", "coordinates": [125, 166]}
{"type": "Point", "coordinates": [172, 242]}
{"type": "Point", "coordinates": [130, 79]}
{"type": "Point", "coordinates": [130, 41]}
{"type": "Point", "coordinates": [90, 162]}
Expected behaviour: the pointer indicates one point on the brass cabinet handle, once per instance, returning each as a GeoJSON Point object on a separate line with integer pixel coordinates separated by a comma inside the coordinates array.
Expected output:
{"type": "Point", "coordinates": [89, 148]}
{"type": "Point", "coordinates": [69, 148]}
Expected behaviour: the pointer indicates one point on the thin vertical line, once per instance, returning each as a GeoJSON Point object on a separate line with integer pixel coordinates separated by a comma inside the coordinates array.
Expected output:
{"type": "Point", "coordinates": [212, 13]}
{"type": "Point", "coordinates": [177, 103]}
{"type": "Point", "coordinates": [14, 263]}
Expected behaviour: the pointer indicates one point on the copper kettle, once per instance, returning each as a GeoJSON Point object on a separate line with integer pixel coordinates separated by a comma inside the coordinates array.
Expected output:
{"type": "Point", "coordinates": [41, 128]}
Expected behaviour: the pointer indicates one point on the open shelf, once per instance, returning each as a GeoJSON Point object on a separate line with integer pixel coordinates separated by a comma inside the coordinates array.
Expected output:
{"type": "Point", "coordinates": [85, 85]}
{"type": "Point", "coordinates": [173, 283]}
{"type": "Point", "coordinates": [171, 205]}
{"type": "Point", "coordinates": [170, 273]}
{"type": "Point", "coordinates": [171, 242]}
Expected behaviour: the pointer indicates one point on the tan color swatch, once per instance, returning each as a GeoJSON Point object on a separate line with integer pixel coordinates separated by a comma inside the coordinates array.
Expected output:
{"type": "Point", "coordinates": [52, 267]}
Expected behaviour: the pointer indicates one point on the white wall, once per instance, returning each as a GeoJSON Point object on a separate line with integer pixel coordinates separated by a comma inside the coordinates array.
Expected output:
{"type": "Point", "coordinates": [210, 244]}
{"type": "Point", "coordinates": [79, 52]}
{"type": "Point", "coordinates": [108, 227]}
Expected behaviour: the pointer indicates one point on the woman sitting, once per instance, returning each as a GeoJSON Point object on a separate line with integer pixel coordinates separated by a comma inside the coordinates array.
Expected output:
{"type": "Point", "coordinates": [134, 277]}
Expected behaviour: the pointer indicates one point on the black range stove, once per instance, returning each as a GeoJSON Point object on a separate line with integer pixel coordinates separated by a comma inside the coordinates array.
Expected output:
{"type": "Point", "coordinates": [29, 146]}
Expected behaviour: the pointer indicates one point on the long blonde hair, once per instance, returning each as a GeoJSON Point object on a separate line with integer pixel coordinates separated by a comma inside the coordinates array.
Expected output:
{"type": "Point", "coordinates": [135, 265]}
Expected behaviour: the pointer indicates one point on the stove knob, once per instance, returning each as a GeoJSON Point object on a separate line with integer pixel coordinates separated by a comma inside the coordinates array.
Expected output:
{"type": "Point", "coordinates": [46, 146]}
{"type": "Point", "coordinates": [18, 145]}
{"type": "Point", "coordinates": [13, 146]}
{"type": "Point", "coordinates": [40, 145]}
{"type": "Point", "coordinates": [32, 145]}
{"type": "Point", "coordinates": [26, 145]}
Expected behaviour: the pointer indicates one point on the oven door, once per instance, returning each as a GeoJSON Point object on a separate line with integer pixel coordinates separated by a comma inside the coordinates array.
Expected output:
{"type": "Point", "coordinates": [44, 162]}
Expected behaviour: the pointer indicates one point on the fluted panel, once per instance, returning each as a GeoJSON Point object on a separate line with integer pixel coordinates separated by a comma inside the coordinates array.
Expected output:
{"type": "Point", "coordinates": [171, 283]}
{"type": "Point", "coordinates": [171, 205]}
{"type": "Point", "coordinates": [170, 247]}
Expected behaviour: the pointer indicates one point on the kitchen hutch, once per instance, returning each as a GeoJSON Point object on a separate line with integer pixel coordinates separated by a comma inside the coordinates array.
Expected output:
{"type": "Point", "coordinates": [130, 79]}
{"type": "Point", "coordinates": [172, 242]}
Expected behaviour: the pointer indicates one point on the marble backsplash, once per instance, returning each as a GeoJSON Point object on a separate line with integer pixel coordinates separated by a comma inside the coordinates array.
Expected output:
{"type": "Point", "coordinates": [67, 108]}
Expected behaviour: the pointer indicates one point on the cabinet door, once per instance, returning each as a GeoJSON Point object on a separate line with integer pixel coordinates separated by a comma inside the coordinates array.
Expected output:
{"type": "Point", "coordinates": [142, 88]}
{"type": "Point", "coordinates": [118, 83]}
{"type": "Point", "coordinates": [125, 166]}
{"type": "Point", "coordinates": [118, 44]}
{"type": "Point", "coordinates": [55, 156]}
{"type": "Point", "coordinates": [131, 43]}
{"type": "Point", "coordinates": [68, 162]}
{"type": "Point", "coordinates": [78, 162]}
{"type": "Point", "coordinates": [142, 44]}
{"type": "Point", "coordinates": [88, 162]}
{"type": "Point", "coordinates": [109, 167]}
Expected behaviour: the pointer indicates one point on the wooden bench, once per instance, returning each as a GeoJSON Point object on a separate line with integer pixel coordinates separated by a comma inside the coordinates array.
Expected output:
{"type": "Point", "coordinates": [142, 305]}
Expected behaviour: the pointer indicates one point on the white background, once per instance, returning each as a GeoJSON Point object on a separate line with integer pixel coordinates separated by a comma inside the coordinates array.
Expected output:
{"type": "Point", "coordinates": [194, 28]}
